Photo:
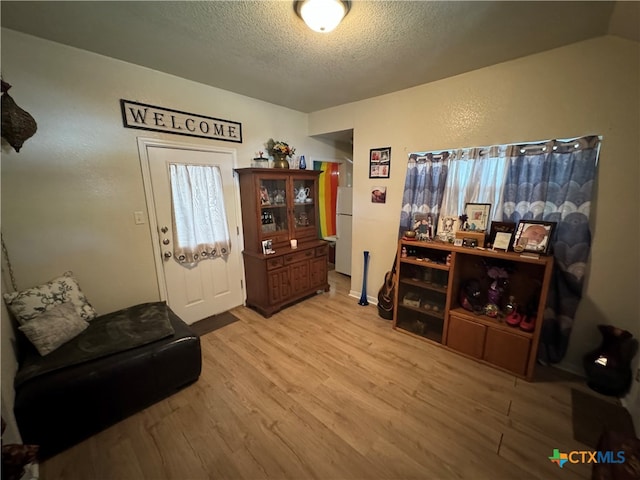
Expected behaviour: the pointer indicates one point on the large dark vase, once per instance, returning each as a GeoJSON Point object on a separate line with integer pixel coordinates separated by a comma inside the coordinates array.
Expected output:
{"type": "Point", "coordinates": [608, 367]}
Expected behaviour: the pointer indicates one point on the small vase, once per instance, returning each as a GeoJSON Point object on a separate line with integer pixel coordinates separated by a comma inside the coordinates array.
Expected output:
{"type": "Point", "coordinates": [303, 163]}
{"type": "Point", "coordinates": [280, 161]}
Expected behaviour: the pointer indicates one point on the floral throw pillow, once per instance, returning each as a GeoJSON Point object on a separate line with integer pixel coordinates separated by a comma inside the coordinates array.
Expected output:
{"type": "Point", "coordinates": [54, 328]}
{"type": "Point", "coordinates": [28, 304]}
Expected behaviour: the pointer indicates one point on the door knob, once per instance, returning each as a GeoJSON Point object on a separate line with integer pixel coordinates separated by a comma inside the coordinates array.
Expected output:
{"type": "Point", "coordinates": [166, 241]}
{"type": "Point", "coordinates": [167, 255]}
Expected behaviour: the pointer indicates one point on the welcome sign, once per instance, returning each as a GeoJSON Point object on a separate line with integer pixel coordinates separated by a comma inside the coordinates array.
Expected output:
{"type": "Point", "coordinates": [149, 117]}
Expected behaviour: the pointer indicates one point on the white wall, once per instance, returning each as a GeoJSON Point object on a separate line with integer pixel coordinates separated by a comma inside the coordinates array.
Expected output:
{"type": "Point", "coordinates": [592, 87]}
{"type": "Point", "coordinates": [69, 195]}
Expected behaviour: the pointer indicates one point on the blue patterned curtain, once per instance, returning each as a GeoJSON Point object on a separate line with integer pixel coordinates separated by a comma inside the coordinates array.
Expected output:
{"type": "Point", "coordinates": [423, 187]}
{"type": "Point", "coordinates": [553, 181]}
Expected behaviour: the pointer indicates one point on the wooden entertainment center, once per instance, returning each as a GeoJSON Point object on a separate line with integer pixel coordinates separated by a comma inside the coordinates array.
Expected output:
{"type": "Point", "coordinates": [428, 301]}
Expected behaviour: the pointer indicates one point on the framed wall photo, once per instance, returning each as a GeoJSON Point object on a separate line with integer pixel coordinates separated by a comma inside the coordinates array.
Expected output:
{"type": "Point", "coordinates": [477, 215]}
{"type": "Point", "coordinates": [501, 227]}
{"type": "Point", "coordinates": [379, 195]}
{"type": "Point", "coordinates": [379, 162]}
{"type": "Point", "coordinates": [533, 236]}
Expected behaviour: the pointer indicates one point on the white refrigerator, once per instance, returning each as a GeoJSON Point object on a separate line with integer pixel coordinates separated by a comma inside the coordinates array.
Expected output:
{"type": "Point", "coordinates": [344, 205]}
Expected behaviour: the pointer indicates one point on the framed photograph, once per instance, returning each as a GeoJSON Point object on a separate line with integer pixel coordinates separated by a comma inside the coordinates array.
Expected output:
{"type": "Point", "coordinates": [457, 242]}
{"type": "Point", "coordinates": [379, 195]}
{"type": "Point", "coordinates": [533, 236]}
{"type": "Point", "coordinates": [423, 226]}
{"type": "Point", "coordinates": [379, 162]}
{"type": "Point", "coordinates": [502, 241]}
{"type": "Point", "coordinates": [477, 216]}
{"type": "Point", "coordinates": [501, 227]}
{"type": "Point", "coordinates": [447, 227]}
{"type": "Point", "coordinates": [267, 247]}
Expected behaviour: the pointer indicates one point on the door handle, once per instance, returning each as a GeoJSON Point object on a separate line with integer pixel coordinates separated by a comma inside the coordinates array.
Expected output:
{"type": "Point", "coordinates": [166, 241]}
{"type": "Point", "coordinates": [167, 255]}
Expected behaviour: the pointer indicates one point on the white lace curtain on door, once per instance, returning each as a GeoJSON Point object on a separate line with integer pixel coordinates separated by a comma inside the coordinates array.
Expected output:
{"type": "Point", "coordinates": [200, 229]}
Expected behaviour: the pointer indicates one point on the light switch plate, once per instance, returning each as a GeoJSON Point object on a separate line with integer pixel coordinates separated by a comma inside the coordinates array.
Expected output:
{"type": "Point", "coordinates": [138, 217]}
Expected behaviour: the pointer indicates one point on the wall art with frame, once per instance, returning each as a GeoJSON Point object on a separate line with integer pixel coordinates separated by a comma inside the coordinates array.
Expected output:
{"type": "Point", "coordinates": [380, 162]}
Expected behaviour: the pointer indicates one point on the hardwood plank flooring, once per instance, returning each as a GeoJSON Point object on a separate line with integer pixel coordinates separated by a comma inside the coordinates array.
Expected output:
{"type": "Point", "coordinates": [327, 390]}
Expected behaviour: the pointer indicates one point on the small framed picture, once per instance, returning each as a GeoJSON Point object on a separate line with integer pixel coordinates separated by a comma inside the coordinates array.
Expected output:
{"type": "Point", "coordinates": [501, 227]}
{"type": "Point", "coordinates": [502, 241]}
{"type": "Point", "coordinates": [447, 227]}
{"type": "Point", "coordinates": [477, 216]}
{"type": "Point", "coordinates": [457, 242]}
{"type": "Point", "coordinates": [267, 247]}
{"type": "Point", "coordinates": [379, 195]}
{"type": "Point", "coordinates": [379, 162]}
{"type": "Point", "coordinates": [533, 236]}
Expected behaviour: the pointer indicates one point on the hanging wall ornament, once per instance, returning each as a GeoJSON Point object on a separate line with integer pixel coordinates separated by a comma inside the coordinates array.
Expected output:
{"type": "Point", "coordinates": [17, 125]}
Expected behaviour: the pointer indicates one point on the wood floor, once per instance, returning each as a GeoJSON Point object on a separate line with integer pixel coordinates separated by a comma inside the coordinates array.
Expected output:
{"type": "Point", "coordinates": [327, 390]}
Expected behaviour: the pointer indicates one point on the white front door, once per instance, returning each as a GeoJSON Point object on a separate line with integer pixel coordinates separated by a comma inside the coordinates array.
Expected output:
{"type": "Point", "coordinates": [213, 285]}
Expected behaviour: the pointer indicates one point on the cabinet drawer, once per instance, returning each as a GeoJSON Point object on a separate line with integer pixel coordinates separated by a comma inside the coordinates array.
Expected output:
{"type": "Point", "coordinates": [298, 256]}
{"type": "Point", "coordinates": [507, 350]}
{"type": "Point", "coordinates": [274, 263]}
{"type": "Point", "coordinates": [321, 251]}
{"type": "Point", "coordinates": [466, 336]}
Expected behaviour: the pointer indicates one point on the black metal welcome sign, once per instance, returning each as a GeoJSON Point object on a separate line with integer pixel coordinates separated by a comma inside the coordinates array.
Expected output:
{"type": "Point", "coordinates": [158, 119]}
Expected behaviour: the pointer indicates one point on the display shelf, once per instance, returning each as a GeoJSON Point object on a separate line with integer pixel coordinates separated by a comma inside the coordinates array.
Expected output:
{"type": "Point", "coordinates": [434, 272]}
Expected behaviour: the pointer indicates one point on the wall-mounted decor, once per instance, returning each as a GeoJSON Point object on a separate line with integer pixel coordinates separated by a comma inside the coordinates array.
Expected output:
{"type": "Point", "coordinates": [379, 195]}
{"type": "Point", "coordinates": [379, 162]}
{"type": "Point", "coordinates": [159, 119]}
{"type": "Point", "coordinates": [17, 125]}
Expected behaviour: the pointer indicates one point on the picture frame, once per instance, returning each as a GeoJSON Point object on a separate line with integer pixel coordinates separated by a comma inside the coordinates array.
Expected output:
{"type": "Point", "coordinates": [422, 224]}
{"type": "Point", "coordinates": [380, 162]}
{"type": "Point", "coordinates": [267, 247]}
{"type": "Point", "coordinates": [457, 242]}
{"type": "Point", "coordinates": [477, 216]}
{"type": "Point", "coordinates": [447, 227]}
{"type": "Point", "coordinates": [501, 227]}
{"type": "Point", "coordinates": [379, 195]}
{"type": "Point", "coordinates": [533, 236]}
{"type": "Point", "coordinates": [502, 241]}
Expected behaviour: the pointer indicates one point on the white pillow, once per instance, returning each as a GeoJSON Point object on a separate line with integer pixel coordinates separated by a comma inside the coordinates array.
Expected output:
{"type": "Point", "coordinates": [54, 328]}
{"type": "Point", "coordinates": [29, 304]}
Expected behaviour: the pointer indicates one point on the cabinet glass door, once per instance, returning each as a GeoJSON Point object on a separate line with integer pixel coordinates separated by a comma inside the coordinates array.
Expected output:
{"type": "Point", "coordinates": [304, 207]}
{"type": "Point", "coordinates": [273, 206]}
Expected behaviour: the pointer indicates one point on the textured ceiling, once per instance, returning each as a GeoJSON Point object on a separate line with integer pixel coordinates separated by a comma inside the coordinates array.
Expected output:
{"type": "Point", "coordinates": [261, 49]}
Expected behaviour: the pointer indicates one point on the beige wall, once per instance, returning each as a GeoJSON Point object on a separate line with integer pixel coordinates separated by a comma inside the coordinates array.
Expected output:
{"type": "Point", "coordinates": [590, 87]}
{"type": "Point", "coordinates": [69, 195]}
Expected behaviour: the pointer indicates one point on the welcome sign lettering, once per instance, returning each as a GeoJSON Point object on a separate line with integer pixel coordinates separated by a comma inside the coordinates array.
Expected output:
{"type": "Point", "coordinates": [149, 117]}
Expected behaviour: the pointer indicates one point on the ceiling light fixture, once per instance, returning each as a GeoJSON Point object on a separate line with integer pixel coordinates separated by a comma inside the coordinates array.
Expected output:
{"type": "Point", "coordinates": [322, 15]}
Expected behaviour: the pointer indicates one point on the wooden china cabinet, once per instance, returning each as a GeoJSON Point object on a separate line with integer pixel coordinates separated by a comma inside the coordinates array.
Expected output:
{"type": "Point", "coordinates": [280, 205]}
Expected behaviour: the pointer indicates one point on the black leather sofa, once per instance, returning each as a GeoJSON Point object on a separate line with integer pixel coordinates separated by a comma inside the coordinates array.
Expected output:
{"type": "Point", "coordinates": [57, 407]}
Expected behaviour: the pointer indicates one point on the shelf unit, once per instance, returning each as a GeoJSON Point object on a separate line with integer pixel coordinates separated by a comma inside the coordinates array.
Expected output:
{"type": "Point", "coordinates": [427, 302]}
